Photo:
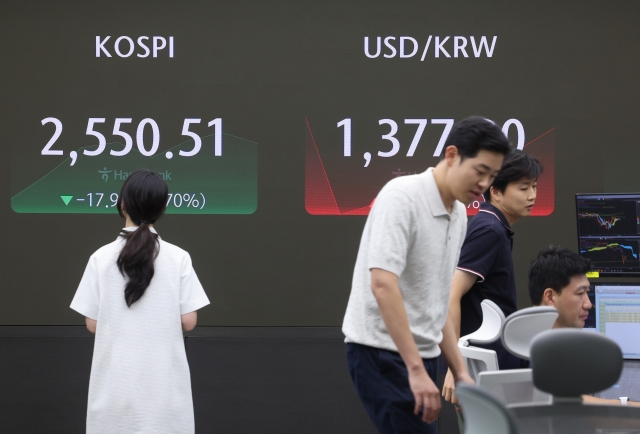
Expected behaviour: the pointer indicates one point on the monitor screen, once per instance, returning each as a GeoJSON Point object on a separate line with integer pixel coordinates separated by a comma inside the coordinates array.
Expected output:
{"type": "Point", "coordinates": [609, 232]}
{"type": "Point", "coordinates": [617, 315]}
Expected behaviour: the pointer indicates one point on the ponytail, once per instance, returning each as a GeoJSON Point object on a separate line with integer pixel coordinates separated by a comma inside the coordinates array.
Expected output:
{"type": "Point", "coordinates": [143, 199]}
{"type": "Point", "coordinates": [136, 261]}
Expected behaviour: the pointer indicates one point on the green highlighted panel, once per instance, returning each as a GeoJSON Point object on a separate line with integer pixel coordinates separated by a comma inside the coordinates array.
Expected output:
{"type": "Point", "coordinates": [201, 184]}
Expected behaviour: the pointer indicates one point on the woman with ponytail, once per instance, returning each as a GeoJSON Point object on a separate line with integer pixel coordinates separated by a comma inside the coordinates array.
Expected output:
{"type": "Point", "coordinates": [138, 294]}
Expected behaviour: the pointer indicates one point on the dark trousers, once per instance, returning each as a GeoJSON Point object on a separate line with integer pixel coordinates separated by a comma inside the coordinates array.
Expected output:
{"type": "Point", "coordinates": [382, 382]}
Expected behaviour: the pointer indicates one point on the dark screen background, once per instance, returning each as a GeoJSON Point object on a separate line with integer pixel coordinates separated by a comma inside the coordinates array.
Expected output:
{"type": "Point", "coordinates": [264, 67]}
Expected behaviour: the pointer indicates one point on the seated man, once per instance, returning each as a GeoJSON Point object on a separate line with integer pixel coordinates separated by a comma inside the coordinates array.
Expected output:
{"type": "Point", "coordinates": [558, 278]}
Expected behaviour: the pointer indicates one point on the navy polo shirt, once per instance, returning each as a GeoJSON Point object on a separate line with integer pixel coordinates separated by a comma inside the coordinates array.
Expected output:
{"type": "Point", "coordinates": [486, 252]}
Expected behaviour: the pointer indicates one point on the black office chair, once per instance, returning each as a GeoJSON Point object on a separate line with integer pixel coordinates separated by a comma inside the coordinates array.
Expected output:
{"type": "Point", "coordinates": [569, 363]}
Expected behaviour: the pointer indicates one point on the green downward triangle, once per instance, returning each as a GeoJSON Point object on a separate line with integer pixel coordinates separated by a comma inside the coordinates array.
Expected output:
{"type": "Point", "coordinates": [66, 199]}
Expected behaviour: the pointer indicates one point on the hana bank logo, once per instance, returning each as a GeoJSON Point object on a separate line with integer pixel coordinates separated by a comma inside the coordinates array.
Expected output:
{"type": "Point", "coordinates": [405, 47]}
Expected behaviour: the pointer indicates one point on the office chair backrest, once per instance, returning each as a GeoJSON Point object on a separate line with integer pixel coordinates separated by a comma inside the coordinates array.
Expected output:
{"type": "Point", "coordinates": [520, 328]}
{"type": "Point", "coordinates": [480, 359]}
{"type": "Point", "coordinates": [569, 363]}
{"type": "Point", "coordinates": [484, 414]}
{"type": "Point", "coordinates": [489, 331]}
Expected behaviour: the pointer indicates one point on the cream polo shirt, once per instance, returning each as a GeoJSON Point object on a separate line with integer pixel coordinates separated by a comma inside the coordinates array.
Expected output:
{"type": "Point", "coordinates": [410, 234]}
{"type": "Point", "coordinates": [140, 380]}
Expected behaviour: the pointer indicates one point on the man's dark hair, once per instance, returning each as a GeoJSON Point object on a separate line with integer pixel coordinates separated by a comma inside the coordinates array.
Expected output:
{"type": "Point", "coordinates": [516, 166]}
{"type": "Point", "coordinates": [474, 134]}
{"type": "Point", "coordinates": [554, 268]}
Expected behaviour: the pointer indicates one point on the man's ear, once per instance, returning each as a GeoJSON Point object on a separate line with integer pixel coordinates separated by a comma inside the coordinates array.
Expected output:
{"type": "Point", "coordinates": [547, 297]}
{"type": "Point", "coordinates": [495, 194]}
{"type": "Point", "coordinates": [450, 154]}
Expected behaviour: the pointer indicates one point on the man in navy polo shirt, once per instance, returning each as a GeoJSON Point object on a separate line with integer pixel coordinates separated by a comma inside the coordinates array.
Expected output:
{"type": "Point", "coordinates": [485, 269]}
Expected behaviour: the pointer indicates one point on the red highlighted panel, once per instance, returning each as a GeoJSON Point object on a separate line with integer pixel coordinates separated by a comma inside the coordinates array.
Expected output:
{"type": "Point", "coordinates": [319, 196]}
{"type": "Point", "coordinates": [337, 185]}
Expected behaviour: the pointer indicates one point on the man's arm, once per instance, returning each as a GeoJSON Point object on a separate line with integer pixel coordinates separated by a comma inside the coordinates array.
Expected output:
{"type": "Point", "coordinates": [461, 283]}
{"type": "Point", "coordinates": [451, 352]}
{"type": "Point", "coordinates": [588, 399]}
{"type": "Point", "coordinates": [387, 292]}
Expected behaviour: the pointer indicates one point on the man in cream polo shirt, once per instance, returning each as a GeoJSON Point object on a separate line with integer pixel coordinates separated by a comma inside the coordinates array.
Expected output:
{"type": "Point", "coordinates": [396, 320]}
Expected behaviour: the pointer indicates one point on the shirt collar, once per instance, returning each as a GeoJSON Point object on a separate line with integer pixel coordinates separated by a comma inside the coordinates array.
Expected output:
{"type": "Point", "coordinates": [487, 207]}
{"type": "Point", "coordinates": [433, 196]}
{"type": "Point", "coordinates": [133, 228]}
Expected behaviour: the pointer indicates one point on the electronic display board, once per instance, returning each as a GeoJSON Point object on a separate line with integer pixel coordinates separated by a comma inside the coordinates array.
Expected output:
{"type": "Point", "coordinates": [609, 232]}
{"type": "Point", "coordinates": [275, 124]}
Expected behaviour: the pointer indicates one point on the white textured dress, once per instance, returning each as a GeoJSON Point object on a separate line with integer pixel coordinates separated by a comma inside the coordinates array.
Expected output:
{"type": "Point", "coordinates": [140, 381]}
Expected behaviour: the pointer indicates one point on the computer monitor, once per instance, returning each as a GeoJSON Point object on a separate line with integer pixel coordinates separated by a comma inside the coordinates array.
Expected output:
{"type": "Point", "coordinates": [617, 315]}
{"type": "Point", "coordinates": [609, 232]}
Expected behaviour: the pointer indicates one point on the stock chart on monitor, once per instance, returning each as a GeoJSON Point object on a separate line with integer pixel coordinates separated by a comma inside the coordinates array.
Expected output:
{"type": "Point", "coordinates": [616, 314]}
{"type": "Point", "coordinates": [609, 232]}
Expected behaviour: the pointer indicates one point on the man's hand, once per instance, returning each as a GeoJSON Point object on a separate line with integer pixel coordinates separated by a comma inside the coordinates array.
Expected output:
{"type": "Point", "coordinates": [457, 368]}
{"type": "Point", "coordinates": [449, 388]}
{"type": "Point", "coordinates": [426, 395]}
{"type": "Point", "coordinates": [460, 284]}
{"type": "Point", "coordinates": [384, 285]}
{"type": "Point", "coordinates": [464, 377]}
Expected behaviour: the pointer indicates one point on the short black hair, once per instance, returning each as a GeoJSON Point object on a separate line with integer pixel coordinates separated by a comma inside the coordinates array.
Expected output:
{"type": "Point", "coordinates": [554, 268]}
{"type": "Point", "coordinates": [474, 134]}
{"type": "Point", "coordinates": [516, 166]}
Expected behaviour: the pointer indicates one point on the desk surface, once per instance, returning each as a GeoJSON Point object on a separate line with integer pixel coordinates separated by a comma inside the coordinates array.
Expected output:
{"type": "Point", "coordinates": [578, 419]}
{"type": "Point", "coordinates": [628, 385]}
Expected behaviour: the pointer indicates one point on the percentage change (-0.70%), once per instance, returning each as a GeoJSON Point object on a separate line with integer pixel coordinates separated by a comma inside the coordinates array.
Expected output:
{"type": "Point", "coordinates": [178, 200]}
{"type": "Point", "coordinates": [186, 199]}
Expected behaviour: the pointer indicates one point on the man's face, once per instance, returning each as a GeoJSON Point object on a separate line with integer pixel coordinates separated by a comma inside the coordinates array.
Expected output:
{"type": "Point", "coordinates": [518, 198]}
{"type": "Point", "coordinates": [573, 303]}
{"type": "Point", "coordinates": [471, 177]}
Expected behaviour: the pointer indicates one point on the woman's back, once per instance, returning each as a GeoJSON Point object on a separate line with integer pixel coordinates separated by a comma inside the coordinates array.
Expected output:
{"type": "Point", "coordinates": [139, 375]}
{"type": "Point", "coordinates": [136, 290]}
